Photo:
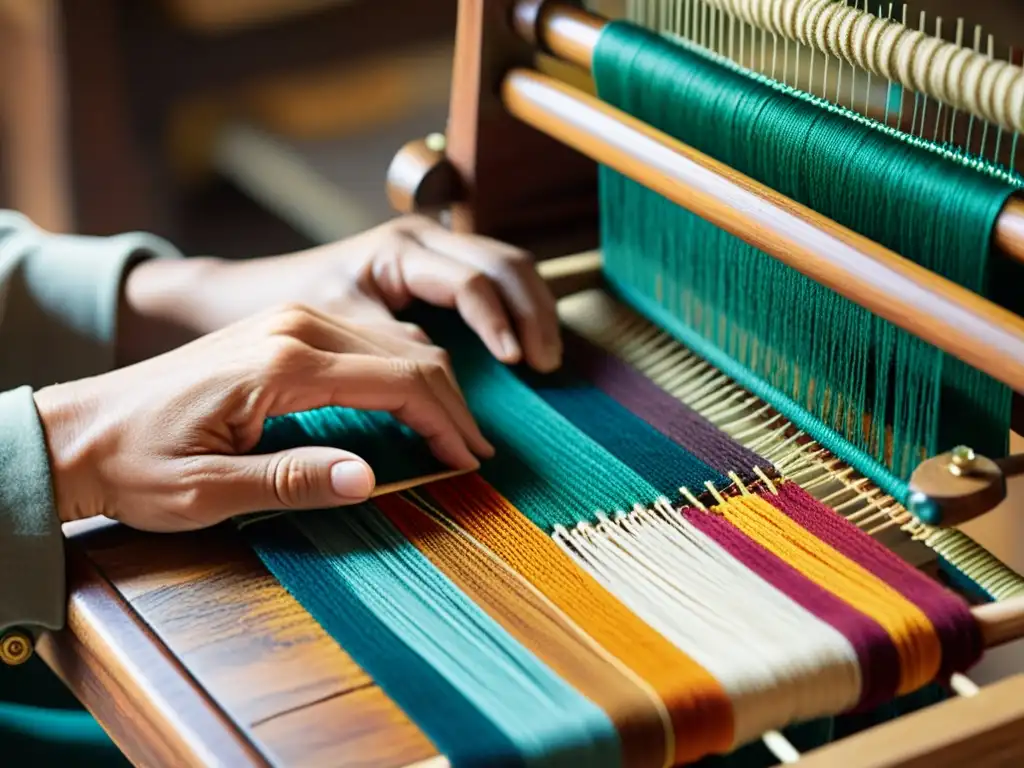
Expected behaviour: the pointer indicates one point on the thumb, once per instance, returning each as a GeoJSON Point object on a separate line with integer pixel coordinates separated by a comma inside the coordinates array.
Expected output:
{"type": "Point", "coordinates": [301, 478]}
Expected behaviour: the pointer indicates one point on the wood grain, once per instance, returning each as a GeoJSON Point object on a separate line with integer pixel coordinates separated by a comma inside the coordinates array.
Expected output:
{"type": "Point", "coordinates": [519, 183]}
{"type": "Point", "coordinates": [936, 310]}
{"type": "Point", "coordinates": [133, 685]}
{"type": "Point", "coordinates": [184, 645]}
{"type": "Point", "coordinates": [982, 731]}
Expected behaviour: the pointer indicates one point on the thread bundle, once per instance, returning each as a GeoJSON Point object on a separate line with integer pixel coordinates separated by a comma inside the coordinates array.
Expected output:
{"type": "Point", "coordinates": [566, 609]}
{"type": "Point", "coordinates": [570, 603]}
{"type": "Point", "coordinates": [835, 360]}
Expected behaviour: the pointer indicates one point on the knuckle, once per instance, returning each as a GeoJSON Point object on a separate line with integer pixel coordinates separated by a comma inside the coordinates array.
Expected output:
{"type": "Point", "coordinates": [405, 371]}
{"type": "Point", "coordinates": [440, 357]}
{"type": "Point", "coordinates": [413, 331]}
{"type": "Point", "coordinates": [293, 484]}
{"type": "Point", "coordinates": [433, 372]}
{"type": "Point", "coordinates": [517, 259]}
{"type": "Point", "coordinates": [476, 282]}
{"type": "Point", "coordinates": [283, 353]}
{"type": "Point", "coordinates": [291, 320]}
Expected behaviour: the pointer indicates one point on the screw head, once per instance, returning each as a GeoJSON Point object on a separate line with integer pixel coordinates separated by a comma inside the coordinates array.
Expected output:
{"type": "Point", "coordinates": [962, 459]}
{"type": "Point", "coordinates": [15, 647]}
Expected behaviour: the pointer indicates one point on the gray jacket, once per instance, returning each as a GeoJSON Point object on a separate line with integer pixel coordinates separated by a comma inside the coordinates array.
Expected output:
{"type": "Point", "coordinates": [59, 300]}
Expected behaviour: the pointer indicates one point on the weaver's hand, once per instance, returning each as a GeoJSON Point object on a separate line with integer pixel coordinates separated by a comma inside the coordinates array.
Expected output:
{"type": "Point", "coordinates": [495, 287]}
{"type": "Point", "coordinates": [162, 445]}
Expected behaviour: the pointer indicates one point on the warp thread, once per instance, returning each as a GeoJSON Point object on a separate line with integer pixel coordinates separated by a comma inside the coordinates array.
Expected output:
{"type": "Point", "coordinates": [834, 359]}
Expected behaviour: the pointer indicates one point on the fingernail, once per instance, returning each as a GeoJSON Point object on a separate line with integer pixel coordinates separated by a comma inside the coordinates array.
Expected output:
{"type": "Point", "coordinates": [509, 346]}
{"type": "Point", "coordinates": [553, 356]}
{"type": "Point", "coordinates": [351, 480]}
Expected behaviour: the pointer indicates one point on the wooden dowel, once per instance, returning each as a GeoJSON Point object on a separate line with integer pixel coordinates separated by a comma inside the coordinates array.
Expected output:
{"type": "Point", "coordinates": [1001, 622]}
{"type": "Point", "coordinates": [934, 309]}
{"type": "Point", "coordinates": [570, 33]}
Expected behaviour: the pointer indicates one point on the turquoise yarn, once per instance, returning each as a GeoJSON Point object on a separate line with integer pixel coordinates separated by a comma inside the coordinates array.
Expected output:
{"type": "Point", "coordinates": [824, 354]}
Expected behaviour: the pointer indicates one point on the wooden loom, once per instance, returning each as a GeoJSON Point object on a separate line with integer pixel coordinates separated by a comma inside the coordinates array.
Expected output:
{"type": "Point", "coordinates": [514, 162]}
{"type": "Point", "coordinates": [190, 653]}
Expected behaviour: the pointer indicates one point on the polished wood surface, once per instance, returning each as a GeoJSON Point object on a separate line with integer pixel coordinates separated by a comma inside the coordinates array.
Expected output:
{"type": "Point", "coordinates": [982, 731]}
{"type": "Point", "coordinates": [420, 178]}
{"type": "Point", "coordinates": [191, 653]}
{"type": "Point", "coordinates": [937, 310]}
{"type": "Point", "coordinates": [518, 182]}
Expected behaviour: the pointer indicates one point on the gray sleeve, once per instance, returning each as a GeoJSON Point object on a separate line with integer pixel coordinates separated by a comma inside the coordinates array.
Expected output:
{"type": "Point", "coordinates": [59, 298]}
{"type": "Point", "coordinates": [32, 589]}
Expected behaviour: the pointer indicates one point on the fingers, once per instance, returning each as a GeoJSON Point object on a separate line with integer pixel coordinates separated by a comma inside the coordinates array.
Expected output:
{"type": "Point", "coordinates": [303, 478]}
{"type": "Point", "coordinates": [445, 282]}
{"type": "Point", "coordinates": [418, 393]}
{"type": "Point", "coordinates": [511, 272]}
{"type": "Point", "coordinates": [392, 338]}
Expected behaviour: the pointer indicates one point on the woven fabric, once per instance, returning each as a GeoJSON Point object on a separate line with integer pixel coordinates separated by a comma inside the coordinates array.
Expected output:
{"type": "Point", "coordinates": [562, 609]}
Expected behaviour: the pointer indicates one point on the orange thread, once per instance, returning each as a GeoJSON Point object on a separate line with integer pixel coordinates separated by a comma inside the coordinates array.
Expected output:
{"type": "Point", "coordinates": [540, 627]}
{"type": "Point", "coordinates": [700, 710]}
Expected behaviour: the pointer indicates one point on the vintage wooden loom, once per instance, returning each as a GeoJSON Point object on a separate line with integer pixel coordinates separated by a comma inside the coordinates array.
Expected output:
{"type": "Point", "coordinates": [190, 653]}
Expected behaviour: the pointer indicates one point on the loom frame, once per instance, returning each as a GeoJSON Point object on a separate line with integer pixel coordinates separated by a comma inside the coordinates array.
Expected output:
{"type": "Point", "coordinates": [484, 187]}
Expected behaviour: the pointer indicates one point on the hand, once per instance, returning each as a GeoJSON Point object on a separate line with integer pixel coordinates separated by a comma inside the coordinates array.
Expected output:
{"type": "Point", "coordinates": [162, 445]}
{"type": "Point", "coordinates": [364, 279]}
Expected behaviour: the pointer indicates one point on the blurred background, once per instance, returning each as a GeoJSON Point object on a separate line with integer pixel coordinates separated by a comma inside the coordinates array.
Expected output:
{"type": "Point", "coordinates": [234, 127]}
{"type": "Point", "coordinates": [231, 127]}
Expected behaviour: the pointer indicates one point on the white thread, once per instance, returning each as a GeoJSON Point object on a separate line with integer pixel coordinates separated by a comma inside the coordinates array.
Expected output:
{"type": "Point", "coordinates": [792, 668]}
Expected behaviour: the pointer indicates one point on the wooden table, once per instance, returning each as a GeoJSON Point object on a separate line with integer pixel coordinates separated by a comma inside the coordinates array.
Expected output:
{"type": "Point", "coordinates": [190, 653]}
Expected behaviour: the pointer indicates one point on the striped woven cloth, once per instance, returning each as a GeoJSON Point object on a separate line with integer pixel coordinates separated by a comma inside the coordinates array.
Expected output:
{"type": "Point", "coordinates": [566, 605]}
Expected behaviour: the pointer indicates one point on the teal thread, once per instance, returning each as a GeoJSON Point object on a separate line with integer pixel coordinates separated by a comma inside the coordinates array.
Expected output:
{"type": "Point", "coordinates": [829, 357]}
{"type": "Point", "coordinates": [423, 620]}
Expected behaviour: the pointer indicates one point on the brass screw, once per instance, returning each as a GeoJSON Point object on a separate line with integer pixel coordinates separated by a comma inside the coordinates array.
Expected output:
{"type": "Point", "coordinates": [963, 460]}
{"type": "Point", "coordinates": [436, 142]}
{"type": "Point", "coordinates": [15, 648]}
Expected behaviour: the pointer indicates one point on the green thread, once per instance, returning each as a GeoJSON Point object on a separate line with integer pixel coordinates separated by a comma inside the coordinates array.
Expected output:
{"type": "Point", "coordinates": [828, 357]}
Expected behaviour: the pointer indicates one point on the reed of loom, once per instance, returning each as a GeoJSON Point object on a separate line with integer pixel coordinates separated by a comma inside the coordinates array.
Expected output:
{"type": "Point", "coordinates": [518, 159]}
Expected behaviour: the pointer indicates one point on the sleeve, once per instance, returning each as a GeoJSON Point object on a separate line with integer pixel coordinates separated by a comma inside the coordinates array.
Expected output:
{"type": "Point", "coordinates": [59, 298]}
{"type": "Point", "coordinates": [32, 588]}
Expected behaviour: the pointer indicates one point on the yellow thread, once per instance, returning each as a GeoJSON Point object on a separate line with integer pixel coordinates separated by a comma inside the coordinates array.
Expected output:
{"type": "Point", "coordinates": [913, 635]}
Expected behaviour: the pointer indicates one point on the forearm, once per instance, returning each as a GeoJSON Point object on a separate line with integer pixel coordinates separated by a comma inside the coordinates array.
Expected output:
{"type": "Point", "coordinates": [164, 304]}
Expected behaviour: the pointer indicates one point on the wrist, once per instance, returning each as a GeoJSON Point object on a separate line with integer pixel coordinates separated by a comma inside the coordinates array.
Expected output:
{"type": "Point", "coordinates": [166, 303]}
{"type": "Point", "coordinates": [71, 448]}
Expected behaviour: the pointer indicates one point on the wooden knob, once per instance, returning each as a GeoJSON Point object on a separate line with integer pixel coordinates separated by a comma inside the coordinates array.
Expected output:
{"type": "Point", "coordinates": [954, 487]}
{"type": "Point", "coordinates": [15, 647]}
{"type": "Point", "coordinates": [420, 178]}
